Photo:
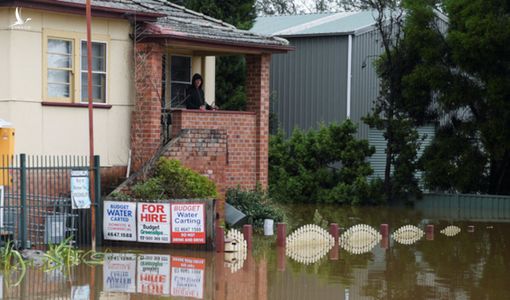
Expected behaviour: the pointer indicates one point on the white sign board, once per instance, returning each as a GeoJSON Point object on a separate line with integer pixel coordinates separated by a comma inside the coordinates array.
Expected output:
{"type": "Point", "coordinates": [188, 277]}
{"type": "Point", "coordinates": [119, 221]}
{"type": "Point", "coordinates": [188, 223]}
{"type": "Point", "coordinates": [154, 222]}
{"type": "Point", "coordinates": [80, 292]}
{"type": "Point", "coordinates": [154, 274]}
{"type": "Point", "coordinates": [119, 272]}
{"type": "Point", "coordinates": [80, 197]}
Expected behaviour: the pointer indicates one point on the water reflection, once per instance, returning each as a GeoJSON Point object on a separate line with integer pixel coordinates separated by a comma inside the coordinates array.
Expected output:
{"type": "Point", "coordinates": [408, 234]}
{"type": "Point", "coordinates": [308, 244]}
{"type": "Point", "coordinates": [360, 239]}
{"type": "Point", "coordinates": [451, 230]}
{"type": "Point", "coordinates": [469, 265]}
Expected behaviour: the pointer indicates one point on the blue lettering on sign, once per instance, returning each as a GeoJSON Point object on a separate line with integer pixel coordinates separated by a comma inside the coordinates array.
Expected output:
{"type": "Point", "coordinates": [119, 215]}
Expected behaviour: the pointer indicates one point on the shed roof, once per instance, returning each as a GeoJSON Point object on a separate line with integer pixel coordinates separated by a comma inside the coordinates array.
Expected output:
{"type": "Point", "coordinates": [315, 24]}
{"type": "Point", "coordinates": [165, 20]}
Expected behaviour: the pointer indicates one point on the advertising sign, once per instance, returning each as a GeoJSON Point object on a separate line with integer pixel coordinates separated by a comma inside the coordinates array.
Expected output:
{"type": "Point", "coordinates": [80, 189]}
{"type": "Point", "coordinates": [187, 277]}
{"type": "Point", "coordinates": [188, 223]}
{"type": "Point", "coordinates": [154, 222]}
{"type": "Point", "coordinates": [154, 274]}
{"type": "Point", "coordinates": [119, 221]}
{"type": "Point", "coordinates": [119, 272]}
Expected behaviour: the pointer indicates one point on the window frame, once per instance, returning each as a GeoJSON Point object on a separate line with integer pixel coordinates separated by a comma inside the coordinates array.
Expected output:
{"type": "Point", "coordinates": [75, 82]}
{"type": "Point", "coordinates": [169, 74]}
{"type": "Point", "coordinates": [96, 72]}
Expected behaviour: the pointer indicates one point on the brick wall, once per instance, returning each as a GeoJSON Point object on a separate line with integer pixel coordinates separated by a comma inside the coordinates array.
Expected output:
{"type": "Point", "coordinates": [237, 143]}
{"type": "Point", "coordinates": [146, 117]}
{"type": "Point", "coordinates": [257, 92]}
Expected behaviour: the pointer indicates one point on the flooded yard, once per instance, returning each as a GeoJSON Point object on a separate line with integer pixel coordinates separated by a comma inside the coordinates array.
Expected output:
{"type": "Point", "coordinates": [471, 264]}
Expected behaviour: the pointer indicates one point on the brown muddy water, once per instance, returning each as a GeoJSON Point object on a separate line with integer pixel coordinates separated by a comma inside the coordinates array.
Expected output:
{"type": "Point", "coordinates": [473, 264]}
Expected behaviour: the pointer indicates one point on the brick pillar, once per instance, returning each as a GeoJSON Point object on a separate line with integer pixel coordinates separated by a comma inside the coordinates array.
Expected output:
{"type": "Point", "coordinates": [257, 92]}
{"type": "Point", "coordinates": [146, 116]}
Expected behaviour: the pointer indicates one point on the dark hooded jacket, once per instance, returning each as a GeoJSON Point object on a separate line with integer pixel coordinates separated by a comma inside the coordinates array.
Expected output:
{"type": "Point", "coordinates": [195, 96]}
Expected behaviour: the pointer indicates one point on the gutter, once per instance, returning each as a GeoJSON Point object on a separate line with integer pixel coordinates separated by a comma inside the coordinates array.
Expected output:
{"type": "Point", "coordinates": [219, 43]}
{"type": "Point", "coordinates": [349, 75]}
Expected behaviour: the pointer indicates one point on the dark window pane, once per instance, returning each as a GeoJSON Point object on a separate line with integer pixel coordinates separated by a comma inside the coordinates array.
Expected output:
{"type": "Point", "coordinates": [180, 69]}
{"type": "Point", "coordinates": [98, 56]}
{"type": "Point", "coordinates": [178, 91]}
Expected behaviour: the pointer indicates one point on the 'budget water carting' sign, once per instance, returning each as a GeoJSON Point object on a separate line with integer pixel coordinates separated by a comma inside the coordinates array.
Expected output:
{"type": "Point", "coordinates": [187, 277]}
{"type": "Point", "coordinates": [119, 221]}
{"type": "Point", "coordinates": [119, 271]}
{"type": "Point", "coordinates": [154, 274]}
{"type": "Point", "coordinates": [188, 223]}
{"type": "Point", "coordinates": [154, 222]}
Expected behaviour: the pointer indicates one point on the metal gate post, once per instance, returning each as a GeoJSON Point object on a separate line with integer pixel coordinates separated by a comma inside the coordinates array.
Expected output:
{"type": "Point", "coordinates": [23, 205]}
{"type": "Point", "coordinates": [99, 204]}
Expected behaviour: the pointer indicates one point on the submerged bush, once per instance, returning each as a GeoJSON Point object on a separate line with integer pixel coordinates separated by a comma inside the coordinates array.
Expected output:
{"type": "Point", "coordinates": [172, 180]}
{"type": "Point", "coordinates": [255, 204]}
{"type": "Point", "coordinates": [328, 165]}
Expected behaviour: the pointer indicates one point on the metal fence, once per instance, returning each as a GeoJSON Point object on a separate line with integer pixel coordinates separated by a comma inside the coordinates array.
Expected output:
{"type": "Point", "coordinates": [37, 209]}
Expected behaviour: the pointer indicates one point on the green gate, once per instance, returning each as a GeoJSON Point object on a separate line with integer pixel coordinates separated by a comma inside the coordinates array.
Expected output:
{"type": "Point", "coordinates": [37, 209]}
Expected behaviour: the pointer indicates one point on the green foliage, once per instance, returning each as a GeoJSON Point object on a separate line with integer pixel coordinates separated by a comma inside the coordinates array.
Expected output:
{"type": "Point", "coordinates": [11, 259]}
{"type": "Point", "coordinates": [319, 220]}
{"type": "Point", "coordinates": [255, 204]}
{"type": "Point", "coordinates": [172, 180]}
{"type": "Point", "coordinates": [301, 168]}
{"type": "Point", "coordinates": [150, 189]}
{"type": "Point", "coordinates": [66, 255]}
{"type": "Point", "coordinates": [454, 163]}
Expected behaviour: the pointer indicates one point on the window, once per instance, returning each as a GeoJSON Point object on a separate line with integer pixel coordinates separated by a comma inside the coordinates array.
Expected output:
{"type": "Point", "coordinates": [60, 68]}
{"type": "Point", "coordinates": [98, 72]}
{"type": "Point", "coordinates": [65, 71]}
{"type": "Point", "coordinates": [180, 79]}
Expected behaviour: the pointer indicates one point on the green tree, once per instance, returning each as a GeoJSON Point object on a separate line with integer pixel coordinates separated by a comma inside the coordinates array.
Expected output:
{"type": "Point", "coordinates": [302, 167]}
{"type": "Point", "coordinates": [230, 70]}
{"type": "Point", "coordinates": [404, 99]}
{"type": "Point", "coordinates": [472, 86]}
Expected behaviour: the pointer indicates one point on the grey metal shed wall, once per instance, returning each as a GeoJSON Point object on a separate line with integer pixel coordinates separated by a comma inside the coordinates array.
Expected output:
{"type": "Point", "coordinates": [308, 85]}
{"type": "Point", "coordinates": [378, 160]}
{"type": "Point", "coordinates": [366, 48]}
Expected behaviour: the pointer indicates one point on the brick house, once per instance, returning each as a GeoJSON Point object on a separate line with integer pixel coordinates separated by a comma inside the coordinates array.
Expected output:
{"type": "Point", "coordinates": [144, 54]}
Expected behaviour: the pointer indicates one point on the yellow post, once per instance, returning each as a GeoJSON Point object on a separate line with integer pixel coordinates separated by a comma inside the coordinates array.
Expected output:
{"type": "Point", "coordinates": [6, 153]}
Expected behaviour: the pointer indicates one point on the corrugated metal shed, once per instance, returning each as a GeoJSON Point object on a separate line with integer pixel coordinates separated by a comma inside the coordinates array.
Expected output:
{"type": "Point", "coordinates": [308, 85]}
{"type": "Point", "coordinates": [314, 24]}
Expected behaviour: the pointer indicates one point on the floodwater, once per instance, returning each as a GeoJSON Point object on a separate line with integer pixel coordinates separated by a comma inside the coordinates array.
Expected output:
{"type": "Point", "coordinates": [471, 264]}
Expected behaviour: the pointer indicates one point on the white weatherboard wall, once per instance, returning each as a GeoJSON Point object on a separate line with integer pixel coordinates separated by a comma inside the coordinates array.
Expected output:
{"type": "Point", "coordinates": [63, 130]}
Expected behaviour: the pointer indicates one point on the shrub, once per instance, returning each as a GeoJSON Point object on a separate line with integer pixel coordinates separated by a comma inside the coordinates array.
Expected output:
{"type": "Point", "coordinates": [255, 204]}
{"type": "Point", "coordinates": [328, 165]}
{"type": "Point", "coordinates": [172, 180]}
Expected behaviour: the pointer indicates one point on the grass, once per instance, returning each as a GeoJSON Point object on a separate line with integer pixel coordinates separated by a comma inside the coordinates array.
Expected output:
{"type": "Point", "coordinates": [66, 255]}
{"type": "Point", "coordinates": [11, 259]}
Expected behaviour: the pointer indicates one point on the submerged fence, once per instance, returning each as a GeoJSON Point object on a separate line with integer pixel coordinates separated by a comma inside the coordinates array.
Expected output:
{"type": "Point", "coordinates": [37, 209]}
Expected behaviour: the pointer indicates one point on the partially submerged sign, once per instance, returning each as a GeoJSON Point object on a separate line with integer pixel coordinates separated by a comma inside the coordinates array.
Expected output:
{"type": "Point", "coordinates": [188, 223]}
{"type": "Point", "coordinates": [154, 223]}
{"type": "Point", "coordinates": [188, 277]}
{"type": "Point", "coordinates": [119, 221]}
{"type": "Point", "coordinates": [80, 197]}
{"type": "Point", "coordinates": [119, 271]}
{"type": "Point", "coordinates": [154, 274]}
